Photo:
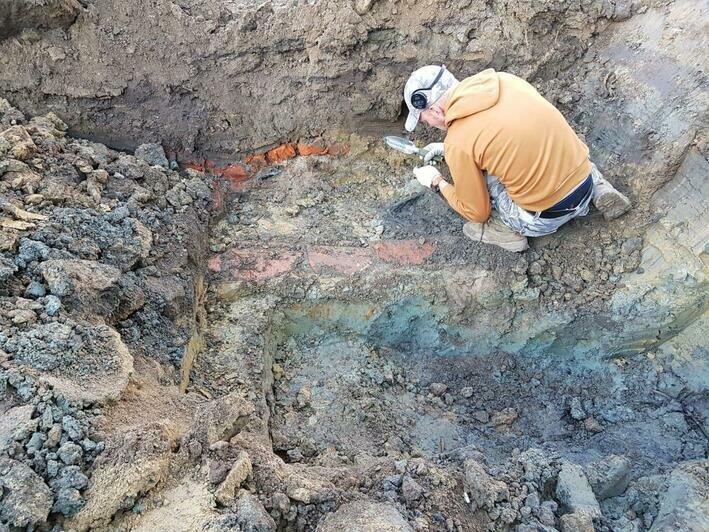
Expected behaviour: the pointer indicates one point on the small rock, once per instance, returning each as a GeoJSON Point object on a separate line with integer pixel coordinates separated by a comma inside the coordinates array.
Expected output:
{"type": "Point", "coordinates": [506, 416]}
{"type": "Point", "coordinates": [574, 492]}
{"type": "Point", "coordinates": [195, 449]}
{"type": "Point", "coordinates": [72, 428]}
{"type": "Point", "coordinates": [438, 388]}
{"type": "Point", "coordinates": [280, 502]}
{"type": "Point", "coordinates": [411, 491]}
{"type": "Point", "coordinates": [576, 522]}
{"type": "Point", "coordinates": [391, 482]}
{"type": "Point", "coordinates": [217, 471]}
{"type": "Point", "coordinates": [34, 199]}
{"type": "Point", "coordinates": [7, 268]}
{"type": "Point", "coordinates": [36, 441]}
{"type": "Point", "coordinates": [52, 468]}
{"type": "Point", "coordinates": [47, 419]}
{"type": "Point", "coordinates": [226, 493]}
{"type": "Point", "coordinates": [153, 154]}
{"type": "Point", "coordinates": [52, 305]}
{"type": "Point", "coordinates": [20, 316]}
{"type": "Point", "coordinates": [32, 250]}
{"type": "Point", "coordinates": [546, 513]}
{"type": "Point", "coordinates": [587, 275]}
{"type": "Point", "coordinates": [197, 188]}
{"type": "Point", "coordinates": [303, 397]}
{"type": "Point", "coordinates": [219, 446]}
{"type": "Point", "coordinates": [300, 494]}
{"type": "Point", "coordinates": [35, 290]}
{"type": "Point", "coordinates": [22, 145]}
{"type": "Point", "coordinates": [467, 392]}
{"type": "Point", "coordinates": [8, 241]}
{"type": "Point", "coordinates": [65, 276]}
{"type": "Point", "coordinates": [54, 436]}
{"type": "Point", "coordinates": [482, 489]}
{"type": "Point", "coordinates": [70, 453]}
{"type": "Point", "coordinates": [26, 499]}
{"type": "Point", "coordinates": [609, 477]}
{"type": "Point", "coordinates": [88, 445]}
{"type": "Point", "coordinates": [592, 424]}
{"type": "Point", "coordinates": [16, 424]}
{"type": "Point", "coordinates": [251, 515]}
{"type": "Point", "coordinates": [532, 501]}
{"type": "Point", "coordinates": [70, 477]}
{"type": "Point", "coordinates": [631, 245]}
{"type": "Point", "coordinates": [225, 417]}
{"type": "Point", "coordinates": [278, 371]}
{"type": "Point", "coordinates": [535, 268]}
{"type": "Point", "coordinates": [576, 410]}
{"type": "Point", "coordinates": [68, 501]}
{"type": "Point", "coordinates": [361, 7]}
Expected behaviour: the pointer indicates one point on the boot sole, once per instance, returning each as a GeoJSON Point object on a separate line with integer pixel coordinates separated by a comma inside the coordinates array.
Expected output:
{"type": "Point", "coordinates": [515, 247]}
{"type": "Point", "coordinates": [613, 205]}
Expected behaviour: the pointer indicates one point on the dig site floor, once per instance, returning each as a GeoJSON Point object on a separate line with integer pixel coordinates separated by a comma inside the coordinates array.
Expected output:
{"type": "Point", "coordinates": [345, 302]}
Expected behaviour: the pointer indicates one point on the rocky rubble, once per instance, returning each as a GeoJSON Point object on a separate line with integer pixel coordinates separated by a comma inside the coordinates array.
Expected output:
{"type": "Point", "coordinates": [48, 445]}
{"type": "Point", "coordinates": [86, 232]}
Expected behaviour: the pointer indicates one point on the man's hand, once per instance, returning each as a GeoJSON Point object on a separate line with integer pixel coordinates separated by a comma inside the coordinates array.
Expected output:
{"type": "Point", "coordinates": [432, 151]}
{"type": "Point", "coordinates": [426, 175]}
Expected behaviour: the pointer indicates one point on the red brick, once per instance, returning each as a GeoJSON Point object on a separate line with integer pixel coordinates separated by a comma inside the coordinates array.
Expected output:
{"type": "Point", "coordinates": [256, 161]}
{"type": "Point", "coordinates": [235, 173]}
{"type": "Point", "coordinates": [281, 153]}
{"type": "Point", "coordinates": [347, 261]}
{"type": "Point", "coordinates": [311, 149]}
{"type": "Point", "coordinates": [255, 158]}
{"type": "Point", "coordinates": [404, 251]}
{"type": "Point", "coordinates": [260, 265]}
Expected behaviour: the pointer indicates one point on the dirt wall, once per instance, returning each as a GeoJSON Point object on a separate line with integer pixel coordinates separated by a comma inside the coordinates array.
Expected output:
{"type": "Point", "coordinates": [218, 77]}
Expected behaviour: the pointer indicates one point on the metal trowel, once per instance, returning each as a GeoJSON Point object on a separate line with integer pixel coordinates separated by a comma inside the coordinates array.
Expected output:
{"type": "Point", "coordinates": [406, 146]}
{"type": "Point", "coordinates": [401, 144]}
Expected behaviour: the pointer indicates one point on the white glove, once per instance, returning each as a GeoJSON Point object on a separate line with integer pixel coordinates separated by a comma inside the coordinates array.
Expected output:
{"type": "Point", "coordinates": [434, 149]}
{"type": "Point", "coordinates": [426, 174]}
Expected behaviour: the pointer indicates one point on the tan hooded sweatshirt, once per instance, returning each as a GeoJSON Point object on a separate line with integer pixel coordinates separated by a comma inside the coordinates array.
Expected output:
{"type": "Point", "coordinates": [499, 123]}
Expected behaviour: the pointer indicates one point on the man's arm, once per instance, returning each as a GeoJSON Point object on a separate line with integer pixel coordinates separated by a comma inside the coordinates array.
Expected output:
{"type": "Point", "coordinates": [469, 196]}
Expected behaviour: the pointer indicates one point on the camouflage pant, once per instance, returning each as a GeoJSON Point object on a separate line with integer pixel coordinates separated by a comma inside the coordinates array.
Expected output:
{"type": "Point", "coordinates": [526, 223]}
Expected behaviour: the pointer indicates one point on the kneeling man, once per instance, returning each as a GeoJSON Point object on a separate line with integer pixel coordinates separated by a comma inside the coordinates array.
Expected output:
{"type": "Point", "coordinates": [518, 168]}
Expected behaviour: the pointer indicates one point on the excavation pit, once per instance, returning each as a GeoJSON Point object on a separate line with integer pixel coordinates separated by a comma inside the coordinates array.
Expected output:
{"type": "Point", "coordinates": [404, 342]}
{"type": "Point", "coordinates": [312, 344]}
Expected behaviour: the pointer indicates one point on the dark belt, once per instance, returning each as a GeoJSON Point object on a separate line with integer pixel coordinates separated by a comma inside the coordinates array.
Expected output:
{"type": "Point", "coordinates": [570, 202]}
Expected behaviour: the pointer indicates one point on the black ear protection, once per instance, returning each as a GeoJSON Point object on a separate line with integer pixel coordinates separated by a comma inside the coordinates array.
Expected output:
{"type": "Point", "coordinates": [419, 100]}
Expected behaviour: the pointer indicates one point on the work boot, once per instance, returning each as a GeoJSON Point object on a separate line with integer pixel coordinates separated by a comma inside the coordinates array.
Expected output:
{"type": "Point", "coordinates": [496, 233]}
{"type": "Point", "coordinates": [606, 198]}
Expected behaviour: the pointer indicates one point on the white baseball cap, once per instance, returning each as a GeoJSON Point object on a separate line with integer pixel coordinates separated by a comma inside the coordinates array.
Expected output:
{"type": "Point", "coordinates": [425, 86]}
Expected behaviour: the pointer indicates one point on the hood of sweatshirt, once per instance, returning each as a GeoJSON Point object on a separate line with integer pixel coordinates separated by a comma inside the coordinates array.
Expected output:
{"type": "Point", "coordinates": [473, 95]}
